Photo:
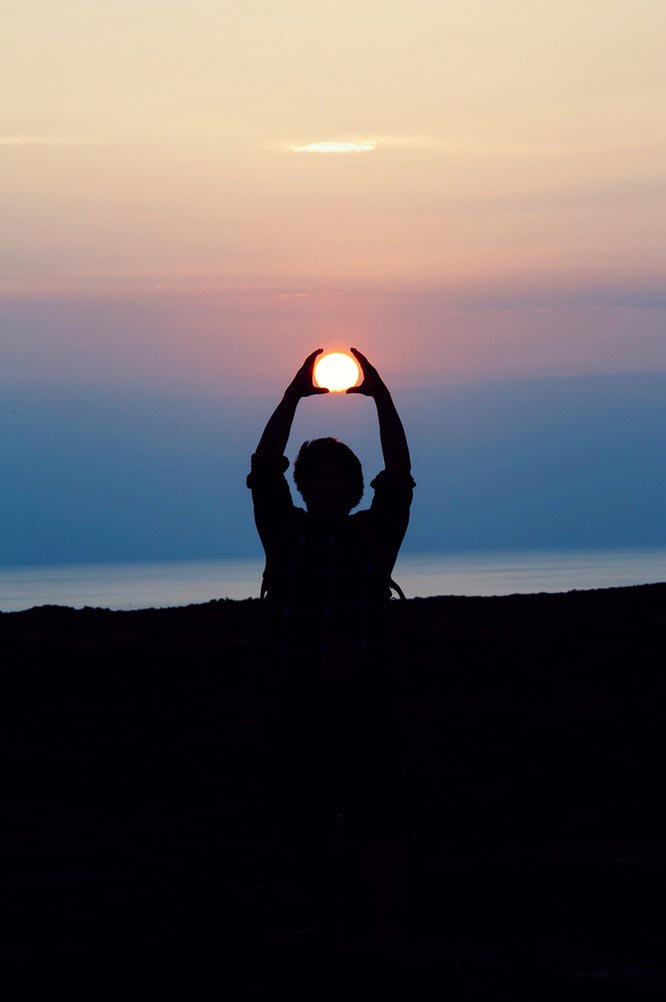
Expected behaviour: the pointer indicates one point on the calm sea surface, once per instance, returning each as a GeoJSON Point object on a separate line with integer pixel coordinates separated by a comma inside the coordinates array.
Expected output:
{"type": "Point", "coordinates": [142, 586]}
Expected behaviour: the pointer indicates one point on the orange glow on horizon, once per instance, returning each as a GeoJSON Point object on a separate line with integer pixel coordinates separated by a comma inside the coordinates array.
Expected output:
{"type": "Point", "coordinates": [336, 371]}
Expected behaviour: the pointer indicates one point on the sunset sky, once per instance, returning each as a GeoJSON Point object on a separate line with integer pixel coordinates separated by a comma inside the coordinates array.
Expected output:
{"type": "Point", "coordinates": [195, 195]}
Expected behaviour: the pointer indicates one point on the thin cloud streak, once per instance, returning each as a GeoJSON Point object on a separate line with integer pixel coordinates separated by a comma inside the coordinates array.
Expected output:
{"type": "Point", "coordinates": [330, 146]}
{"type": "Point", "coordinates": [367, 145]}
{"type": "Point", "coordinates": [43, 141]}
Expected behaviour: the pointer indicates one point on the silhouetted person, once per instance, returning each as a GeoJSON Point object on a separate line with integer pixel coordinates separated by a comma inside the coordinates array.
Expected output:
{"type": "Point", "coordinates": [327, 579]}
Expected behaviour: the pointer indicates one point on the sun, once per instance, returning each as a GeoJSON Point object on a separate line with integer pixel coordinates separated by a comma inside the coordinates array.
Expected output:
{"type": "Point", "coordinates": [336, 371]}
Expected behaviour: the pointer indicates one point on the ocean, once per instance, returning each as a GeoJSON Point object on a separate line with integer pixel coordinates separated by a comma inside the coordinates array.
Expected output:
{"type": "Point", "coordinates": [154, 585]}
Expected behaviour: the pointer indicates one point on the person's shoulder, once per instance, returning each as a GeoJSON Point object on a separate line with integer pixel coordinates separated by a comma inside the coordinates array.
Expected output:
{"type": "Point", "coordinates": [264, 469]}
{"type": "Point", "coordinates": [391, 480]}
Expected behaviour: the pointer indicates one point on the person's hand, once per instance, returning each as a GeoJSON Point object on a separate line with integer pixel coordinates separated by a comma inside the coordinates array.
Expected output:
{"type": "Point", "coordinates": [302, 385]}
{"type": "Point", "coordinates": [373, 384]}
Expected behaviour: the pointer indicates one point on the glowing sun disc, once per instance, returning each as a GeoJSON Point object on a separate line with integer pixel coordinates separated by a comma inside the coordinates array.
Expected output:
{"type": "Point", "coordinates": [336, 371]}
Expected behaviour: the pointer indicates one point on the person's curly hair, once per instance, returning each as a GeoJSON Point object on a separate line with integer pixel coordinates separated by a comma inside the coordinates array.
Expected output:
{"type": "Point", "coordinates": [327, 450]}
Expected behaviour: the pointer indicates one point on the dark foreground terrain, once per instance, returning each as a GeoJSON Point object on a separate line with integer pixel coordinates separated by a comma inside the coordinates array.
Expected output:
{"type": "Point", "coordinates": [138, 843]}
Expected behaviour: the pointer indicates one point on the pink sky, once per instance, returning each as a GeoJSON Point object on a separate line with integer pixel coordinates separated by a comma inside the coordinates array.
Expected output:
{"type": "Point", "coordinates": [204, 193]}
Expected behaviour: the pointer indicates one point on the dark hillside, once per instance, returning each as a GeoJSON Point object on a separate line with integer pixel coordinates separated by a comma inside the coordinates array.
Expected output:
{"type": "Point", "coordinates": [137, 831]}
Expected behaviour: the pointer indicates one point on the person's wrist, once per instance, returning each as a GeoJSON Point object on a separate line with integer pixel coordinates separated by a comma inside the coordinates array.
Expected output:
{"type": "Point", "coordinates": [381, 393]}
{"type": "Point", "coordinates": [292, 394]}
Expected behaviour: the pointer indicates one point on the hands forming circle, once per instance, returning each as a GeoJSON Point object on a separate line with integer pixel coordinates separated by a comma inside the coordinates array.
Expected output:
{"type": "Point", "coordinates": [303, 382]}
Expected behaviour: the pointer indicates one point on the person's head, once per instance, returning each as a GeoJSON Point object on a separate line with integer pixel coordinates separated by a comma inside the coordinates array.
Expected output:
{"type": "Point", "coordinates": [329, 477]}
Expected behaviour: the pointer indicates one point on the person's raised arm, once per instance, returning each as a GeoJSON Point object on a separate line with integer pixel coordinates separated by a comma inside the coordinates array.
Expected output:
{"type": "Point", "coordinates": [394, 442]}
{"type": "Point", "coordinates": [273, 442]}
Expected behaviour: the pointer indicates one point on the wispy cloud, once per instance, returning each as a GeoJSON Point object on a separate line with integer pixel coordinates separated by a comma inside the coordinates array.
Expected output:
{"type": "Point", "coordinates": [42, 141]}
{"type": "Point", "coordinates": [333, 146]}
{"type": "Point", "coordinates": [367, 144]}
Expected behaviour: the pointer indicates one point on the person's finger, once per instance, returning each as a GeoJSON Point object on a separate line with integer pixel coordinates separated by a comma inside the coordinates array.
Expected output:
{"type": "Point", "coordinates": [362, 359]}
{"type": "Point", "coordinates": [320, 389]}
{"type": "Point", "coordinates": [310, 359]}
{"type": "Point", "coordinates": [355, 389]}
